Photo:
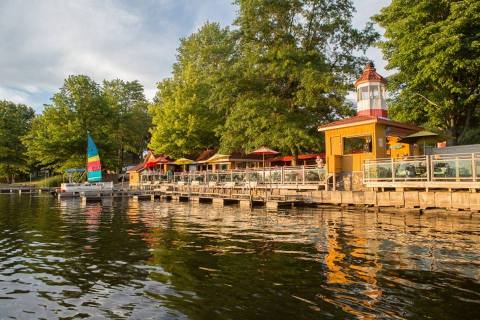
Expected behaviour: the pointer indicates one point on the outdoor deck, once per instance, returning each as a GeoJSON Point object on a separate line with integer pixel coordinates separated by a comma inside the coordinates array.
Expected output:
{"type": "Point", "coordinates": [452, 171]}
{"type": "Point", "coordinates": [310, 177]}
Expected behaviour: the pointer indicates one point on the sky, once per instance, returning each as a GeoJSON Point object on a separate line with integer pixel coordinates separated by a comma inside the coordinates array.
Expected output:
{"type": "Point", "coordinates": [44, 41]}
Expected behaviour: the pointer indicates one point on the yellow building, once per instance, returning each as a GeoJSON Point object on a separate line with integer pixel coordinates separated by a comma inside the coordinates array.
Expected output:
{"type": "Point", "coordinates": [233, 161]}
{"type": "Point", "coordinates": [369, 134]}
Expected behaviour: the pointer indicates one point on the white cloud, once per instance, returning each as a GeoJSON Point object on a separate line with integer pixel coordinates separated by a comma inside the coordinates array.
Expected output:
{"type": "Point", "coordinates": [42, 42]}
{"type": "Point", "coordinates": [13, 95]}
{"type": "Point", "coordinates": [45, 41]}
{"type": "Point", "coordinates": [365, 10]}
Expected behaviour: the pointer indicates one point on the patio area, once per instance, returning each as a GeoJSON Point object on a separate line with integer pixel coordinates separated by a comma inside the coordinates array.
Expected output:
{"type": "Point", "coordinates": [270, 176]}
{"type": "Point", "coordinates": [451, 171]}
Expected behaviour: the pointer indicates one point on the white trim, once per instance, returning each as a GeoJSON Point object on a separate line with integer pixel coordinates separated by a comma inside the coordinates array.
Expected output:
{"type": "Point", "coordinates": [351, 124]}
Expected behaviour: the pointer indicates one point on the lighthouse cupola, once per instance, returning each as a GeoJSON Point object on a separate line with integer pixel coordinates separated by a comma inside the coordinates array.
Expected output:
{"type": "Point", "coordinates": [371, 93]}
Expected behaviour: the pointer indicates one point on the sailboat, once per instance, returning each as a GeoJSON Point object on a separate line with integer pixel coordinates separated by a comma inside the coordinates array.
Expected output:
{"type": "Point", "coordinates": [94, 173]}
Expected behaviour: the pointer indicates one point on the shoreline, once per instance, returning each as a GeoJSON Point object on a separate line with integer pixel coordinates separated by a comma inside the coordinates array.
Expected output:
{"type": "Point", "coordinates": [276, 198]}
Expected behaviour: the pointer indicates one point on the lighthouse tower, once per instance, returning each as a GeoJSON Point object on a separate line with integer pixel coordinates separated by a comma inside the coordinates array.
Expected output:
{"type": "Point", "coordinates": [371, 93]}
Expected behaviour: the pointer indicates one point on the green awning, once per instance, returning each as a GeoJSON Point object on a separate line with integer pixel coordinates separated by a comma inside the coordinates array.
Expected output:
{"type": "Point", "coordinates": [183, 161]}
{"type": "Point", "coordinates": [421, 136]}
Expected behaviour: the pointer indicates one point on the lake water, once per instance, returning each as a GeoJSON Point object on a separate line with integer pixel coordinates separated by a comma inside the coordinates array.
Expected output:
{"type": "Point", "coordinates": [158, 260]}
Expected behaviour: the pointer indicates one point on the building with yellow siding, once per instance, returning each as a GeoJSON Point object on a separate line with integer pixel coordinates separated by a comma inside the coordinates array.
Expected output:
{"type": "Point", "coordinates": [368, 135]}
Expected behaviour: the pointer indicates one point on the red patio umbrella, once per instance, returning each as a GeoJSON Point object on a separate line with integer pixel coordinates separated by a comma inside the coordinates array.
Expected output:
{"type": "Point", "coordinates": [265, 151]}
{"type": "Point", "coordinates": [155, 161]}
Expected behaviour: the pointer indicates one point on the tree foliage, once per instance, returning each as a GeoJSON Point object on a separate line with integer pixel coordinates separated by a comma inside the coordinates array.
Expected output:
{"type": "Point", "coordinates": [15, 121]}
{"type": "Point", "coordinates": [129, 121]}
{"type": "Point", "coordinates": [114, 115]}
{"type": "Point", "coordinates": [284, 68]}
{"type": "Point", "coordinates": [186, 110]}
{"type": "Point", "coordinates": [296, 68]}
{"type": "Point", "coordinates": [435, 48]}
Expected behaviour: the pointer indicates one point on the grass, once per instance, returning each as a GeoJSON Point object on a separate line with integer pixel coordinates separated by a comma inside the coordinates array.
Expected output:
{"type": "Point", "coordinates": [53, 181]}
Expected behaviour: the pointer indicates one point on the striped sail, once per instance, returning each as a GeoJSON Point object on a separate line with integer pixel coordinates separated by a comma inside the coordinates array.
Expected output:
{"type": "Point", "coordinates": [94, 168]}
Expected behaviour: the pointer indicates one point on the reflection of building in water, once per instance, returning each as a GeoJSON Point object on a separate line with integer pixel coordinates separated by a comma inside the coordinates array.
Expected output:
{"type": "Point", "coordinates": [366, 248]}
{"type": "Point", "coordinates": [352, 256]}
{"type": "Point", "coordinates": [132, 211]}
{"type": "Point", "coordinates": [92, 216]}
{"type": "Point", "coordinates": [359, 246]}
{"type": "Point", "coordinates": [335, 259]}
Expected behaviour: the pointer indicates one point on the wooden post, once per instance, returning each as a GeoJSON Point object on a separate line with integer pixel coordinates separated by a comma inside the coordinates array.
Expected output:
{"type": "Point", "coordinates": [303, 174]}
{"type": "Point", "coordinates": [393, 170]}
{"type": "Point", "coordinates": [474, 168]}
{"type": "Point", "coordinates": [428, 163]}
{"type": "Point", "coordinates": [457, 170]}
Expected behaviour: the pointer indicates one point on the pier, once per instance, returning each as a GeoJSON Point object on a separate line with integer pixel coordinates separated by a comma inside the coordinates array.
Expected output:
{"type": "Point", "coordinates": [274, 198]}
{"type": "Point", "coordinates": [22, 189]}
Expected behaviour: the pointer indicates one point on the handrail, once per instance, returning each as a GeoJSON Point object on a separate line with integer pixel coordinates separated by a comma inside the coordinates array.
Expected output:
{"type": "Point", "coordinates": [307, 174]}
{"type": "Point", "coordinates": [459, 167]}
{"type": "Point", "coordinates": [433, 156]}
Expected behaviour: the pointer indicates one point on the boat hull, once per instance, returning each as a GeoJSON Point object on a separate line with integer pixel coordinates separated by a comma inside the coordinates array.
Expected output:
{"type": "Point", "coordinates": [86, 187]}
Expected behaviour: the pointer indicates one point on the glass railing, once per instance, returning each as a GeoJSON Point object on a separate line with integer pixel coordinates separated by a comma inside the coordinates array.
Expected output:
{"type": "Point", "coordinates": [273, 175]}
{"type": "Point", "coordinates": [452, 167]}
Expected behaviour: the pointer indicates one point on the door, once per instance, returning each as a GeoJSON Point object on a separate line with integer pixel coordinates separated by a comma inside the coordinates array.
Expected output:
{"type": "Point", "coordinates": [336, 146]}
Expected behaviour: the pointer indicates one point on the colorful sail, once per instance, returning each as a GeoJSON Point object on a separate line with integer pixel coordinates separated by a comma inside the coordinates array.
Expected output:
{"type": "Point", "coordinates": [94, 167]}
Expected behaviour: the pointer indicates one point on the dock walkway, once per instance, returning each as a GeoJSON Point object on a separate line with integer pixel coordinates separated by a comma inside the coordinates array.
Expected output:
{"type": "Point", "coordinates": [284, 198]}
{"type": "Point", "coordinates": [273, 198]}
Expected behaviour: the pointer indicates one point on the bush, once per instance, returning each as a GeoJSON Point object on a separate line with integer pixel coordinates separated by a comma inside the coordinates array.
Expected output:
{"type": "Point", "coordinates": [50, 182]}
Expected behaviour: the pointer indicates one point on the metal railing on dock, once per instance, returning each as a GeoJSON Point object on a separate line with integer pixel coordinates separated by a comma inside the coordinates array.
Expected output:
{"type": "Point", "coordinates": [298, 175]}
{"type": "Point", "coordinates": [450, 170]}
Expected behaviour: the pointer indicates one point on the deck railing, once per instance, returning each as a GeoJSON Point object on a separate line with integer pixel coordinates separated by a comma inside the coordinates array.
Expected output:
{"type": "Point", "coordinates": [267, 176]}
{"type": "Point", "coordinates": [463, 167]}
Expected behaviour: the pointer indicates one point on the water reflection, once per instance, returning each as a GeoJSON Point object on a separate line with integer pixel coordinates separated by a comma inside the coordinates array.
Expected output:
{"type": "Point", "coordinates": [130, 259]}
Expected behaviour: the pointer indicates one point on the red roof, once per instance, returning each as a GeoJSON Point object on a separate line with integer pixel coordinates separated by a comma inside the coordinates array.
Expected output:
{"type": "Point", "coordinates": [369, 74]}
{"type": "Point", "coordinates": [206, 154]}
{"type": "Point", "coordinates": [148, 162]}
{"type": "Point", "coordinates": [155, 161]}
{"type": "Point", "coordinates": [300, 157]}
{"type": "Point", "coordinates": [367, 119]}
{"type": "Point", "coordinates": [348, 121]}
{"type": "Point", "coordinates": [138, 167]}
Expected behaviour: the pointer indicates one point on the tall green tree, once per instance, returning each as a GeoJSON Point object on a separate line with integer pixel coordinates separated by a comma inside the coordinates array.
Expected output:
{"type": "Point", "coordinates": [285, 68]}
{"type": "Point", "coordinates": [435, 48]}
{"type": "Point", "coordinates": [188, 107]}
{"type": "Point", "coordinates": [57, 139]}
{"type": "Point", "coordinates": [15, 121]}
{"type": "Point", "coordinates": [295, 68]}
{"type": "Point", "coordinates": [129, 121]}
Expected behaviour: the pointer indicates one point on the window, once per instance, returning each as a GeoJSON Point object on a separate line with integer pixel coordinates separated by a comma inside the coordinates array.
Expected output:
{"type": "Point", "coordinates": [363, 92]}
{"type": "Point", "coordinates": [354, 145]}
{"type": "Point", "coordinates": [375, 92]}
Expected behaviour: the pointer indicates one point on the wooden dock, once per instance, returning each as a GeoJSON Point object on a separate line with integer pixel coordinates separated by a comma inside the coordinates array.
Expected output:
{"type": "Point", "coordinates": [216, 196]}
{"type": "Point", "coordinates": [4, 189]}
{"type": "Point", "coordinates": [275, 198]}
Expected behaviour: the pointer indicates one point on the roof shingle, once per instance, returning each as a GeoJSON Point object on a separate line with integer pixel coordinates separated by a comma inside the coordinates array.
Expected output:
{"type": "Point", "coordinates": [370, 74]}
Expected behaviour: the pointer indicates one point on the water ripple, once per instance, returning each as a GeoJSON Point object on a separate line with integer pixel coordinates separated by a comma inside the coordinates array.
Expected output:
{"type": "Point", "coordinates": [163, 260]}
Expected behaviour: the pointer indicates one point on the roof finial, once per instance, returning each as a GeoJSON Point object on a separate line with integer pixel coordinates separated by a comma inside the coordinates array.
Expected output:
{"type": "Point", "coordinates": [370, 65]}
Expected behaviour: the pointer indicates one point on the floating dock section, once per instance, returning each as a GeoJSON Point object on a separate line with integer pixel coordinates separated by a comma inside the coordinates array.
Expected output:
{"type": "Point", "coordinates": [283, 198]}
{"type": "Point", "coordinates": [280, 198]}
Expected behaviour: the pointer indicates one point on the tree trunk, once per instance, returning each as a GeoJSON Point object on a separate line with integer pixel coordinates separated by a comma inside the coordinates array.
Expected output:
{"type": "Point", "coordinates": [295, 157]}
{"type": "Point", "coordinates": [467, 122]}
{"type": "Point", "coordinates": [121, 159]}
{"type": "Point", "coordinates": [453, 132]}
